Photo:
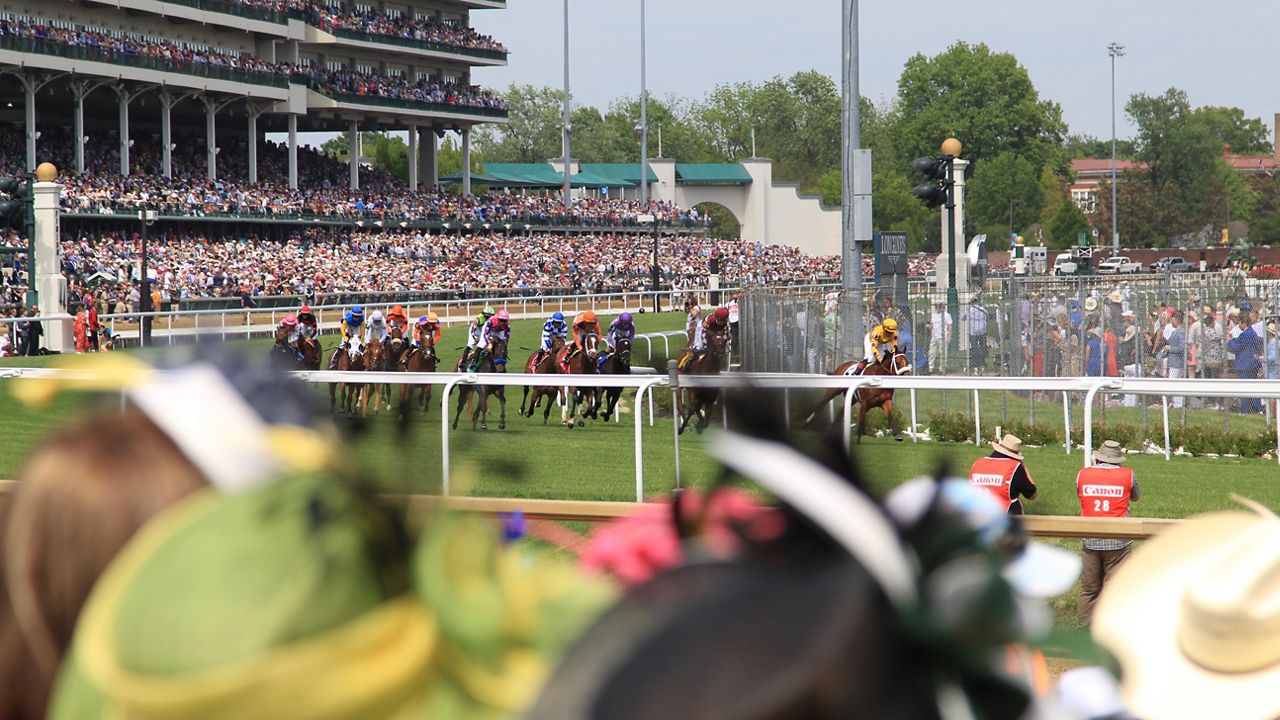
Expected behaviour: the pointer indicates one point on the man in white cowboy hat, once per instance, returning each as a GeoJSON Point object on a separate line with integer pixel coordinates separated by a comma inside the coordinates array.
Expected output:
{"type": "Point", "coordinates": [1193, 618]}
{"type": "Point", "coordinates": [1003, 475]}
{"type": "Point", "coordinates": [940, 321]}
{"type": "Point", "coordinates": [1105, 489]}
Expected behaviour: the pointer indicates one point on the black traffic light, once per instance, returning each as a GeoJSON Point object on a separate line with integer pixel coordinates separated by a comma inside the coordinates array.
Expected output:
{"type": "Point", "coordinates": [14, 208]}
{"type": "Point", "coordinates": [933, 193]}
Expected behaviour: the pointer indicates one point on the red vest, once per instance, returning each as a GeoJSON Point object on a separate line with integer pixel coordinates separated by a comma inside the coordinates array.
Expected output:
{"type": "Point", "coordinates": [995, 475]}
{"type": "Point", "coordinates": [1104, 492]}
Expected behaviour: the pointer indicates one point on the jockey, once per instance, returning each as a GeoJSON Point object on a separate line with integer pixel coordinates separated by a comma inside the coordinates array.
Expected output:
{"type": "Point", "coordinates": [307, 323]}
{"type": "Point", "coordinates": [882, 338]}
{"type": "Point", "coordinates": [554, 327]}
{"type": "Point", "coordinates": [473, 333]}
{"type": "Point", "coordinates": [377, 328]}
{"type": "Point", "coordinates": [290, 326]}
{"type": "Point", "coordinates": [353, 329]}
{"type": "Point", "coordinates": [584, 324]}
{"type": "Point", "coordinates": [718, 322]}
{"type": "Point", "coordinates": [397, 319]}
{"type": "Point", "coordinates": [693, 331]}
{"type": "Point", "coordinates": [497, 329]}
{"type": "Point", "coordinates": [428, 326]}
{"type": "Point", "coordinates": [622, 328]}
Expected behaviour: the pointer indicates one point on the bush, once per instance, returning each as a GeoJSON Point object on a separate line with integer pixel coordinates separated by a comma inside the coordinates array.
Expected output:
{"type": "Point", "coordinates": [1127, 435]}
{"type": "Point", "coordinates": [1199, 440]}
{"type": "Point", "coordinates": [952, 427]}
{"type": "Point", "coordinates": [1038, 434]}
{"type": "Point", "coordinates": [876, 421]}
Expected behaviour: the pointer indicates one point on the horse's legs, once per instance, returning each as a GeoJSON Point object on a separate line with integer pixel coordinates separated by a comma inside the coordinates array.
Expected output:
{"type": "Point", "coordinates": [888, 416]}
{"type": "Point", "coordinates": [827, 397]}
{"type": "Point", "coordinates": [462, 403]}
{"type": "Point", "coordinates": [526, 397]}
{"type": "Point", "coordinates": [862, 420]}
{"type": "Point", "coordinates": [502, 407]}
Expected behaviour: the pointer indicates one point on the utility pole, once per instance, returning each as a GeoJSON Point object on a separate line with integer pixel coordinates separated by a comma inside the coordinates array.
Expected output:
{"type": "Point", "coordinates": [566, 129]}
{"type": "Point", "coordinates": [850, 141]}
{"type": "Point", "coordinates": [1115, 50]}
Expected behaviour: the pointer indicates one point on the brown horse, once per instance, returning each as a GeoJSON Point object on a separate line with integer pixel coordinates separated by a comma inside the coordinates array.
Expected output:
{"type": "Point", "coordinates": [618, 363]}
{"type": "Point", "coordinates": [892, 364]}
{"type": "Point", "coordinates": [580, 360]}
{"type": "Point", "coordinates": [699, 401]}
{"type": "Point", "coordinates": [494, 362]}
{"type": "Point", "coordinates": [309, 348]}
{"type": "Point", "coordinates": [542, 363]}
{"type": "Point", "coordinates": [375, 360]}
{"type": "Point", "coordinates": [418, 360]}
{"type": "Point", "coordinates": [344, 360]}
{"type": "Point", "coordinates": [395, 348]}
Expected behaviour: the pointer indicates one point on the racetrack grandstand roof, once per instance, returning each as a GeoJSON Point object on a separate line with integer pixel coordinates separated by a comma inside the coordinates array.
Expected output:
{"type": "Point", "coordinates": [621, 174]}
{"type": "Point", "coordinates": [541, 175]}
{"type": "Point", "coordinates": [712, 174]}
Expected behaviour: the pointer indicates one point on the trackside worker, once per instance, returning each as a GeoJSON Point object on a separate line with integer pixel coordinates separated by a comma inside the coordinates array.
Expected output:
{"type": "Point", "coordinates": [1003, 474]}
{"type": "Point", "coordinates": [1105, 490]}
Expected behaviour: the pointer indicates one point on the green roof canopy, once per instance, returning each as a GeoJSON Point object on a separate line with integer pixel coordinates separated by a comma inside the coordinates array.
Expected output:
{"type": "Point", "coordinates": [587, 179]}
{"type": "Point", "coordinates": [526, 174]}
{"type": "Point", "coordinates": [621, 174]}
{"type": "Point", "coordinates": [712, 174]}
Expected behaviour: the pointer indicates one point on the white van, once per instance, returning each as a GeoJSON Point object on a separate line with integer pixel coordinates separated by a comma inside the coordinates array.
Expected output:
{"type": "Point", "coordinates": [1064, 264]}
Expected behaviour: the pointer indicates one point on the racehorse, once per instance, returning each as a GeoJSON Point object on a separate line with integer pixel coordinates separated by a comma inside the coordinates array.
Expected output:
{"type": "Point", "coordinates": [695, 401]}
{"type": "Point", "coordinates": [581, 361]}
{"type": "Point", "coordinates": [375, 360]}
{"type": "Point", "coordinates": [547, 364]}
{"type": "Point", "coordinates": [344, 359]}
{"type": "Point", "coordinates": [895, 363]}
{"type": "Point", "coordinates": [395, 348]}
{"type": "Point", "coordinates": [618, 363]}
{"type": "Point", "coordinates": [310, 351]}
{"type": "Point", "coordinates": [494, 362]}
{"type": "Point", "coordinates": [417, 360]}
{"type": "Point", "coordinates": [283, 354]}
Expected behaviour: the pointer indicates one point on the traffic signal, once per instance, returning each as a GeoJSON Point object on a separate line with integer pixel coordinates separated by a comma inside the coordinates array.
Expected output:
{"type": "Point", "coordinates": [13, 209]}
{"type": "Point", "coordinates": [933, 193]}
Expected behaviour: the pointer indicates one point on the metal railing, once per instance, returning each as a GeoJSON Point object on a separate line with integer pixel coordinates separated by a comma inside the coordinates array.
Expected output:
{"type": "Point", "coordinates": [349, 34]}
{"type": "Point", "coordinates": [407, 104]}
{"type": "Point", "coordinates": [240, 10]}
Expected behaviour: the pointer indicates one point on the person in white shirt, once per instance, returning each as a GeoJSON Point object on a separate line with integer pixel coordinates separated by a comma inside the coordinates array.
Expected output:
{"type": "Point", "coordinates": [939, 335]}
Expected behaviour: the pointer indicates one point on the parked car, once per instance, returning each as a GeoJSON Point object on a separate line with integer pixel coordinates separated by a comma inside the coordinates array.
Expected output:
{"type": "Point", "coordinates": [1064, 264]}
{"type": "Point", "coordinates": [1118, 265]}
{"type": "Point", "coordinates": [931, 277]}
{"type": "Point", "coordinates": [1173, 264]}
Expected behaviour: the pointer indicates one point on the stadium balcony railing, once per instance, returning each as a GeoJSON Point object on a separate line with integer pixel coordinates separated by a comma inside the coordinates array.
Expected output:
{"type": "Point", "coordinates": [240, 10]}
{"type": "Point", "coordinates": [433, 221]}
{"type": "Point", "coordinates": [403, 103]}
{"type": "Point", "coordinates": [349, 34]}
{"type": "Point", "coordinates": [83, 52]}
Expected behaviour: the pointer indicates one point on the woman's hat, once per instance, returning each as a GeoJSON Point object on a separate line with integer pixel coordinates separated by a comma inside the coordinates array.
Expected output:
{"type": "Point", "coordinates": [1091, 304]}
{"type": "Point", "coordinates": [1193, 617]}
{"type": "Point", "coordinates": [1010, 445]}
{"type": "Point", "coordinates": [1129, 333]}
{"type": "Point", "coordinates": [1115, 297]}
{"type": "Point", "coordinates": [1109, 452]}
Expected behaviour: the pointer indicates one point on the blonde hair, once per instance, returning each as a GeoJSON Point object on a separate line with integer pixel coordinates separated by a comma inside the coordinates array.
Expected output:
{"type": "Point", "coordinates": [79, 498]}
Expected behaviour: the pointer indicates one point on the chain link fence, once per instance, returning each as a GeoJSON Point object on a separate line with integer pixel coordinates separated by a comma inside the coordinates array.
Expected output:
{"type": "Point", "coordinates": [1189, 326]}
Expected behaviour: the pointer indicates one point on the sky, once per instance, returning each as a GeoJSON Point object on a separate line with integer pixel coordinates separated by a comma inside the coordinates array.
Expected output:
{"type": "Point", "coordinates": [1219, 52]}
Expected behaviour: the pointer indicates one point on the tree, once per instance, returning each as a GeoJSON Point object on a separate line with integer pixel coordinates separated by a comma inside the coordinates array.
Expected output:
{"type": "Point", "coordinates": [1088, 146]}
{"type": "Point", "coordinates": [1066, 226]}
{"type": "Point", "coordinates": [1004, 192]}
{"type": "Point", "coordinates": [1052, 195]}
{"type": "Point", "coordinates": [381, 151]}
{"type": "Point", "coordinates": [983, 98]}
{"type": "Point", "coordinates": [532, 132]}
{"type": "Point", "coordinates": [449, 158]}
{"type": "Point", "coordinates": [1229, 126]}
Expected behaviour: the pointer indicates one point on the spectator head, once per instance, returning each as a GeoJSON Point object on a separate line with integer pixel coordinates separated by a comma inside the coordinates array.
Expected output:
{"type": "Point", "coordinates": [79, 498]}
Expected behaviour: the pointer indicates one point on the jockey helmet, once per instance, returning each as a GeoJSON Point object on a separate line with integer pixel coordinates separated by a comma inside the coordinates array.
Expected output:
{"type": "Point", "coordinates": [488, 311]}
{"type": "Point", "coordinates": [422, 321]}
{"type": "Point", "coordinates": [289, 321]}
{"type": "Point", "coordinates": [397, 311]}
{"type": "Point", "coordinates": [376, 317]}
{"type": "Point", "coordinates": [558, 317]}
{"type": "Point", "coordinates": [433, 318]}
{"type": "Point", "coordinates": [625, 319]}
{"type": "Point", "coordinates": [503, 315]}
{"type": "Point", "coordinates": [695, 311]}
{"type": "Point", "coordinates": [722, 315]}
{"type": "Point", "coordinates": [357, 311]}
{"type": "Point", "coordinates": [306, 310]}
{"type": "Point", "coordinates": [588, 317]}
{"type": "Point", "coordinates": [890, 326]}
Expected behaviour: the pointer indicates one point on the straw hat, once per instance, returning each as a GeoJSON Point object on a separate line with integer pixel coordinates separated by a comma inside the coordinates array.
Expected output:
{"type": "Point", "coordinates": [1010, 445]}
{"type": "Point", "coordinates": [1115, 297]}
{"type": "Point", "coordinates": [1091, 304]}
{"type": "Point", "coordinates": [1194, 619]}
{"type": "Point", "coordinates": [1129, 333]}
{"type": "Point", "coordinates": [1109, 452]}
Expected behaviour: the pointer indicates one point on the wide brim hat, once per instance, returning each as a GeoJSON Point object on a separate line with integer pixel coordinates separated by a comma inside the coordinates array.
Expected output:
{"type": "Point", "coordinates": [1091, 304]}
{"type": "Point", "coordinates": [1010, 445]}
{"type": "Point", "coordinates": [1109, 452]}
{"type": "Point", "coordinates": [1115, 297]}
{"type": "Point", "coordinates": [1193, 617]}
{"type": "Point", "coordinates": [1130, 333]}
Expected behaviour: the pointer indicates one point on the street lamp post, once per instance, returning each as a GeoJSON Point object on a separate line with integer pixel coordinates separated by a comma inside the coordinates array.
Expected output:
{"type": "Point", "coordinates": [650, 219]}
{"type": "Point", "coordinates": [644, 121]}
{"type": "Point", "coordinates": [564, 199]}
{"type": "Point", "coordinates": [950, 151]}
{"type": "Point", "coordinates": [1115, 50]}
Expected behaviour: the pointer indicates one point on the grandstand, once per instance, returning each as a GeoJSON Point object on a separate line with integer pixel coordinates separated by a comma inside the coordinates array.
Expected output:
{"type": "Point", "coordinates": [211, 77]}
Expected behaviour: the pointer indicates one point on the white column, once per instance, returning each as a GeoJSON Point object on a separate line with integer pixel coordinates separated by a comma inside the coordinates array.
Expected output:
{"type": "Point", "coordinates": [962, 257]}
{"type": "Point", "coordinates": [30, 87]}
{"type": "Point", "coordinates": [77, 139]}
{"type": "Point", "coordinates": [122, 95]}
{"type": "Point", "coordinates": [428, 162]}
{"type": "Point", "coordinates": [413, 158]}
{"type": "Point", "coordinates": [293, 152]}
{"type": "Point", "coordinates": [253, 145]}
{"type": "Point", "coordinates": [211, 139]}
{"type": "Point", "coordinates": [466, 161]}
{"type": "Point", "coordinates": [49, 282]}
{"type": "Point", "coordinates": [353, 154]}
{"type": "Point", "coordinates": [166, 135]}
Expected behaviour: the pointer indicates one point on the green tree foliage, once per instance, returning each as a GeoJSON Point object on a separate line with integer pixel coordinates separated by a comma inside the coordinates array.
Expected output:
{"type": "Point", "coordinates": [983, 98]}
{"type": "Point", "coordinates": [893, 206]}
{"type": "Point", "coordinates": [1005, 189]}
{"type": "Point", "coordinates": [1053, 193]}
{"type": "Point", "coordinates": [1229, 126]}
{"type": "Point", "coordinates": [532, 132]}
{"type": "Point", "coordinates": [379, 150]}
{"type": "Point", "coordinates": [1088, 146]}
{"type": "Point", "coordinates": [1066, 226]}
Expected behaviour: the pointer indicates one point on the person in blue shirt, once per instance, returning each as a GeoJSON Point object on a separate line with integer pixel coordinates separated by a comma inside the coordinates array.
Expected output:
{"type": "Point", "coordinates": [1247, 347]}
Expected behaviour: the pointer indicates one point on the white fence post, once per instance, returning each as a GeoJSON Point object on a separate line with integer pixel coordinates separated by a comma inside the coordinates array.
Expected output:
{"type": "Point", "coordinates": [1164, 399]}
{"type": "Point", "coordinates": [444, 433]}
{"type": "Point", "coordinates": [977, 420]}
{"type": "Point", "coordinates": [1066, 419]}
